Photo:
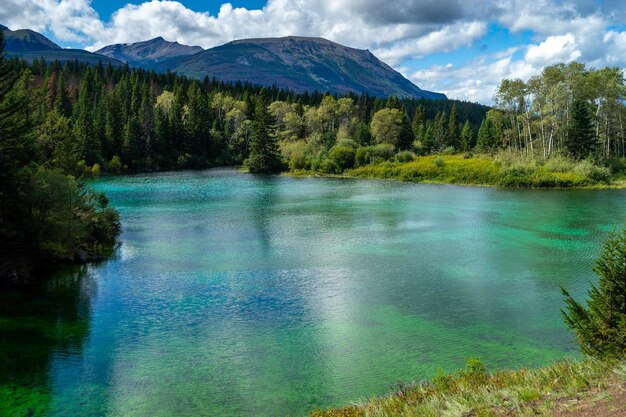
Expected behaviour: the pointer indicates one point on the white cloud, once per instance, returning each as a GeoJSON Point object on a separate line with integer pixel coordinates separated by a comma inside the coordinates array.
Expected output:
{"type": "Point", "coordinates": [554, 48]}
{"type": "Point", "coordinates": [398, 31]}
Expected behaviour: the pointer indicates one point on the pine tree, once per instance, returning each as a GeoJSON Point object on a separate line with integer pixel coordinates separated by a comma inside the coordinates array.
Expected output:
{"type": "Point", "coordinates": [131, 147]}
{"type": "Point", "coordinates": [418, 122]}
{"type": "Point", "coordinates": [406, 138]}
{"type": "Point", "coordinates": [439, 133]}
{"type": "Point", "coordinates": [467, 137]}
{"type": "Point", "coordinates": [62, 102]}
{"type": "Point", "coordinates": [580, 135]}
{"type": "Point", "coordinates": [484, 142]}
{"type": "Point", "coordinates": [264, 153]}
{"type": "Point", "coordinates": [601, 324]}
{"type": "Point", "coordinates": [453, 138]}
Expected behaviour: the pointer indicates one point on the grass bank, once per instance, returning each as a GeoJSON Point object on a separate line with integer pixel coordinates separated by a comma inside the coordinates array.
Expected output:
{"type": "Point", "coordinates": [502, 170]}
{"type": "Point", "coordinates": [562, 389]}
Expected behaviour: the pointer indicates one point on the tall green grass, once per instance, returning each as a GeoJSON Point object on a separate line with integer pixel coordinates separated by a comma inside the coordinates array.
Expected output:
{"type": "Point", "coordinates": [502, 170]}
{"type": "Point", "coordinates": [474, 391]}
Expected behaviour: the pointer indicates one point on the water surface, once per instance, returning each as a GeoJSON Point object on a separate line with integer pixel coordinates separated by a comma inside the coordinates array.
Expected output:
{"type": "Point", "coordinates": [240, 295]}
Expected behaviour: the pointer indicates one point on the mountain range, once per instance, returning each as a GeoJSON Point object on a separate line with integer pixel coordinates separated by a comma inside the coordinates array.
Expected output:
{"type": "Point", "coordinates": [295, 63]}
{"type": "Point", "coordinates": [148, 53]}
{"type": "Point", "coordinates": [29, 45]}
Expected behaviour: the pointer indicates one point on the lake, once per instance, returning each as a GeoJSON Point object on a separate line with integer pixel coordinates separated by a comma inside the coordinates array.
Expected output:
{"type": "Point", "coordinates": [234, 295]}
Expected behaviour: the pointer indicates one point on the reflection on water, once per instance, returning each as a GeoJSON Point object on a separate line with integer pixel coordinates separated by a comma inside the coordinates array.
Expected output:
{"type": "Point", "coordinates": [240, 295]}
{"type": "Point", "coordinates": [38, 327]}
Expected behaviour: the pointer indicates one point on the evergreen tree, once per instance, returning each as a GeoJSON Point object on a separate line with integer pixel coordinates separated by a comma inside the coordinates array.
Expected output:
{"type": "Point", "coordinates": [439, 133]}
{"type": "Point", "coordinates": [485, 140]}
{"type": "Point", "coordinates": [131, 147]}
{"type": "Point", "coordinates": [264, 153]}
{"type": "Point", "coordinates": [406, 137]}
{"type": "Point", "coordinates": [467, 137]}
{"type": "Point", "coordinates": [601, 324]}
{"type": "Point", "coordinates": [62, 101]}
{"type": "Point", "coordinates": [580, 135]}
{"type": "Point", "coordinates": [419, 118]}
{"type": "Point", "coordinates": [453, 136]}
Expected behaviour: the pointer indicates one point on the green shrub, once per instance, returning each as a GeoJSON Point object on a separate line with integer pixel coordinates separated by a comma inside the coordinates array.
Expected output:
{"type": "Point", "coordinates": [439, 162]}
{"type": "Point", "coordinates": [615, 165]}
{"type": "Point", "coordinates": [559, 163]}
{"type": "Point", "coordinates": [405, 156]}
{"type": "Point", "coordinates": [363, 156]}
{"type": "Point", "coordinates": [382, 152]}
{"type": "Point", "coordinates": [592, 172]}
{"type": "Point", "coordinates": [115, 165]}
{"type": "Point", "coordinates": [343, 156]}
{"type": "Point", "coordinates": [347, 142]}
{"type": "Point", "coordinates": [329, 166]}
{"type": "Point", "coordinates": [449, 151]}
{"type": "Point", "coordinates": [95, 170]}
{"type": "Point", "coordinates": [296, 155]}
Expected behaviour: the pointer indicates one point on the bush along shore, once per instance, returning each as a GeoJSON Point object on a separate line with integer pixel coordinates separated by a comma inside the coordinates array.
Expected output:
{"type": "Point", "coordinates": [507, 170]}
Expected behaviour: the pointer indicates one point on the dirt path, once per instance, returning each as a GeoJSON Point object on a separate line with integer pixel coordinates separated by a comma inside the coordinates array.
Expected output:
{"type": "Point", "coordinates": [607, 402]}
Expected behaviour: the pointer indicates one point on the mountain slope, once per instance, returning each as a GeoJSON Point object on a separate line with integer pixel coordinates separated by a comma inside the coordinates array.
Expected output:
{"type": "Point", "coordinates": [29, 45]}
{"type": "Point", "coordinates": [26, 40]}
{"type": "Point", "coordinates": [298, 64]}
{"type": "Point", "coordinates": [147, 53]}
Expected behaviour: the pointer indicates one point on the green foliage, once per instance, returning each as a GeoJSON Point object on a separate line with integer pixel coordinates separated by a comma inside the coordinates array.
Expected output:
{"type": "Point", "coordinates": [264, 153]}
{"type": "Point", "coordinates": [391, 126]}
{"type": "Point", "coordinates": [343, 156]}
{"type": "Point", "coordinates": [439, 162]}
{"type": "Point", "coordinates": [405, 156]}
{"type": "Point", "coordinates": [330, 166]}
{"type": "Point", "coordinates": [566, 109]}
{"type": "Point", "coordinates": [467, 137]}
{"type": "Point", "coordinates": [581, 137]}
{"type": "Point", "coordinates": [601, 324]}
{"type": "Point", "coordinates": [47, 216]}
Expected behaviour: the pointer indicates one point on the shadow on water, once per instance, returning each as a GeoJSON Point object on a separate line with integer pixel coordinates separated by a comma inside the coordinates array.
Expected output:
{"type": "Point", "coordinates": [263, 207]}
{"type": "Point", "coordinates": [36, 325]}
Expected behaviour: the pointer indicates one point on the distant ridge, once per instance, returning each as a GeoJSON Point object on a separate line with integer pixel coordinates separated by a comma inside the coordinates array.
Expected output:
{"type": "Point", "coordinates": [29, 45]}
{"type": "Point", "coordinates": [147, 53]}
{"type": "Point", "coordinates": [299, 64]}
{"type": "Point", "coordinates": [26, 40]}
{"type": "Point", "coordinates": [295, 63]}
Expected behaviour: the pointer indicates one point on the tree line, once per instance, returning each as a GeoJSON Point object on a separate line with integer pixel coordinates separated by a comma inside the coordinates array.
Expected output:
{"type": "Point", "coordinates": [567, 109]}
{"type": "Point", "coordinates": [118, 119]}
{"type": "Point", "coordinates": [47, 215]}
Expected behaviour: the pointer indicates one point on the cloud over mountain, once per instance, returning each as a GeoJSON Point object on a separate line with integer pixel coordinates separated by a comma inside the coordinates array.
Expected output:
{"type": "Point", "coordinates": [400, 32]}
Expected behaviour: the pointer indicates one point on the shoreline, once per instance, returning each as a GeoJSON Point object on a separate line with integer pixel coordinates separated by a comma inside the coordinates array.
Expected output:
{"type": "Point", "coordinates": [347, 176]}
{"type": "Point", "coordinates": [567, 387]}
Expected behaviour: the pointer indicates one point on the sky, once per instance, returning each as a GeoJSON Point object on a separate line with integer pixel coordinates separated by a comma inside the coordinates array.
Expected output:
{"type": "Point", "coordinates": [463, 48]}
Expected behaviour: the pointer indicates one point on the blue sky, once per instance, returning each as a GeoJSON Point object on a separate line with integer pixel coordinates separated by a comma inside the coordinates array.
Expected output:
{"type": "Point", "coordinates": [460, 47]}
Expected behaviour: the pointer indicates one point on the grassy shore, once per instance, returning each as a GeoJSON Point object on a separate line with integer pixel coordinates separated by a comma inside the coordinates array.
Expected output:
{"type": "Point", "coordinates": [507, 171]}
{"type": "Point", "coordinates": [564, 388]}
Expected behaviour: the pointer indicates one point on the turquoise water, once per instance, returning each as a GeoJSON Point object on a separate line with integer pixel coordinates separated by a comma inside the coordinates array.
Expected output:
{"type": "Point", "coordinates": [233, 295]}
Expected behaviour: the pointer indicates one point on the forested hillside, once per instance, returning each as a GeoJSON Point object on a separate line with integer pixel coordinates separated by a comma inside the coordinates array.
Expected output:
{"type": "Point", "coordinates": [125, 120]}
{"type": "Point", "coordinates": [47, 216]}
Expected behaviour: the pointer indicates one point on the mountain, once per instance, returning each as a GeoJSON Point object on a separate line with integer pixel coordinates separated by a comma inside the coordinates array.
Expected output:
{"type": "Point", "coordinates": [26, 40]}
{"type": "Point", "coordinates": [146, 54]}
{"type": "Point", "coordinates": [298, 64]}
{"type": "Point", "coordinates": [29, 45]}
